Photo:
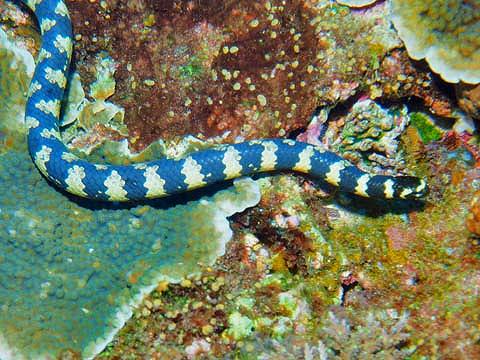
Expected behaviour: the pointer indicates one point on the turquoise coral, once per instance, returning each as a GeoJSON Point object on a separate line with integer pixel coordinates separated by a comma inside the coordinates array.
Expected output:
{"type": "Point", "coordinates": [445, 33]}
{"type": "Point", "coordinates": [70, 284]}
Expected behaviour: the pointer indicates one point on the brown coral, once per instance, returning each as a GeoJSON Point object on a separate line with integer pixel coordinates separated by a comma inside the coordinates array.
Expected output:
{"type": "Point", "coordinates": [469, 99]}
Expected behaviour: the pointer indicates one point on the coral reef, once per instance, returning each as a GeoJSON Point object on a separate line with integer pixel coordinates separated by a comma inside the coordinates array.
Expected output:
{"type": "Point", "coordinates": [71, 272]}
{"type": "Point", "coordinates": [445, 33]}
{"type": "Point", "coordinates": [369, 135]}
{"type": "Point", "coordinates": [376, 335]}
{"type": "Point", "coordinates": [241, 70]}
{"type": "Point", "coordinates": [308, 273]}
{"type": "Point", "coordinates": [308, 276]}
{"type": "Point", "coordinates": [399, 78]}
{"type": "Point", "coordinates": [87, 124]}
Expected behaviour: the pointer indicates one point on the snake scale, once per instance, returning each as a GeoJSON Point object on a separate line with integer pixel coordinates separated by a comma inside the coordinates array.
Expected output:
{"type": "Point", "coordinates": [168, 176]}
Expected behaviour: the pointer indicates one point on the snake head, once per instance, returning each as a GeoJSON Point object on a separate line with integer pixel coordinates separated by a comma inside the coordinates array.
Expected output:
{"type": "Point", "coordinates": [410, 187]}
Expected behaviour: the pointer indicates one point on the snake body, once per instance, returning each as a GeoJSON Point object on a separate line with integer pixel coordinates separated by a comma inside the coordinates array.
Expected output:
{"type": "Point", "coordinates": [167, 176]}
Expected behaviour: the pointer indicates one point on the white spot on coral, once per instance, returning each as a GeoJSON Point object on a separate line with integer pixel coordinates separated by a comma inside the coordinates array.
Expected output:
{"type": "Point", "coordinates": [100, 166]}
{"type": "Point", "coordinates": [74, 180]}
{"type": "Point", "coordinates": [55, 77]}
{"type": "Point", "coordinates": [231, 160]}
{"type": "Point", "coordinates": [192, 171]}
{"type": "Point", "coordinates": [49, 107]}
{"type": "Point", "coordinates": [114, 184]}
{"type": "Point", "coordinates": [304, 163]}
{"type": "Point", "coordinates": [388, 189]}
{"type": "Point", "coordinates": [361, 188]}
{"type": "Point", "coordinates": [153, 182]}
{"type": "Point", "coordinates": [46, 25]}
{"type": "Point", "coordinates": [269, 157]}
{"type": "Point", "coordinates": [41, 159]}
{"type": "Point", "coordinates": [333, 176]}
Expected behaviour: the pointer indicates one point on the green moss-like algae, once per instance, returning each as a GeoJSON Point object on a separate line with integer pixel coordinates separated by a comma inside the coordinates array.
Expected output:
{"type": "Point", "coordinates": [426, 129]}
{"type": "Point", "coordinates": [69, 273]}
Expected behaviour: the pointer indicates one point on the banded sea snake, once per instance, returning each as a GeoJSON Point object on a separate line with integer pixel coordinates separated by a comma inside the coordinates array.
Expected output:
{"type": "Point", "coordinates": [167, 176]}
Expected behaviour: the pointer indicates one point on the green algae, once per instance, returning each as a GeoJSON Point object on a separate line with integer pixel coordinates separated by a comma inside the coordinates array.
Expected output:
{"type": "Point", "coordinates": [408, 271]}
{"type": "Point", "coordinates": [240, 326]}
{"type": "Point", "coordinates": [192, 70]}
{"type": "Point", "coordinates": [426, 129]}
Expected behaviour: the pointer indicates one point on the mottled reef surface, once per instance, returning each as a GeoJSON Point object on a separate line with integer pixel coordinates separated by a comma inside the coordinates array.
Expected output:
{"type": "Point", "coordinates": [309, 272]}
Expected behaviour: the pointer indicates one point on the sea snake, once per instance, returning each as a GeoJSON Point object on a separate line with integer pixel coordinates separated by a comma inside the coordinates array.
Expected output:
{"type": "Point", "coordinates": [168, 176]}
